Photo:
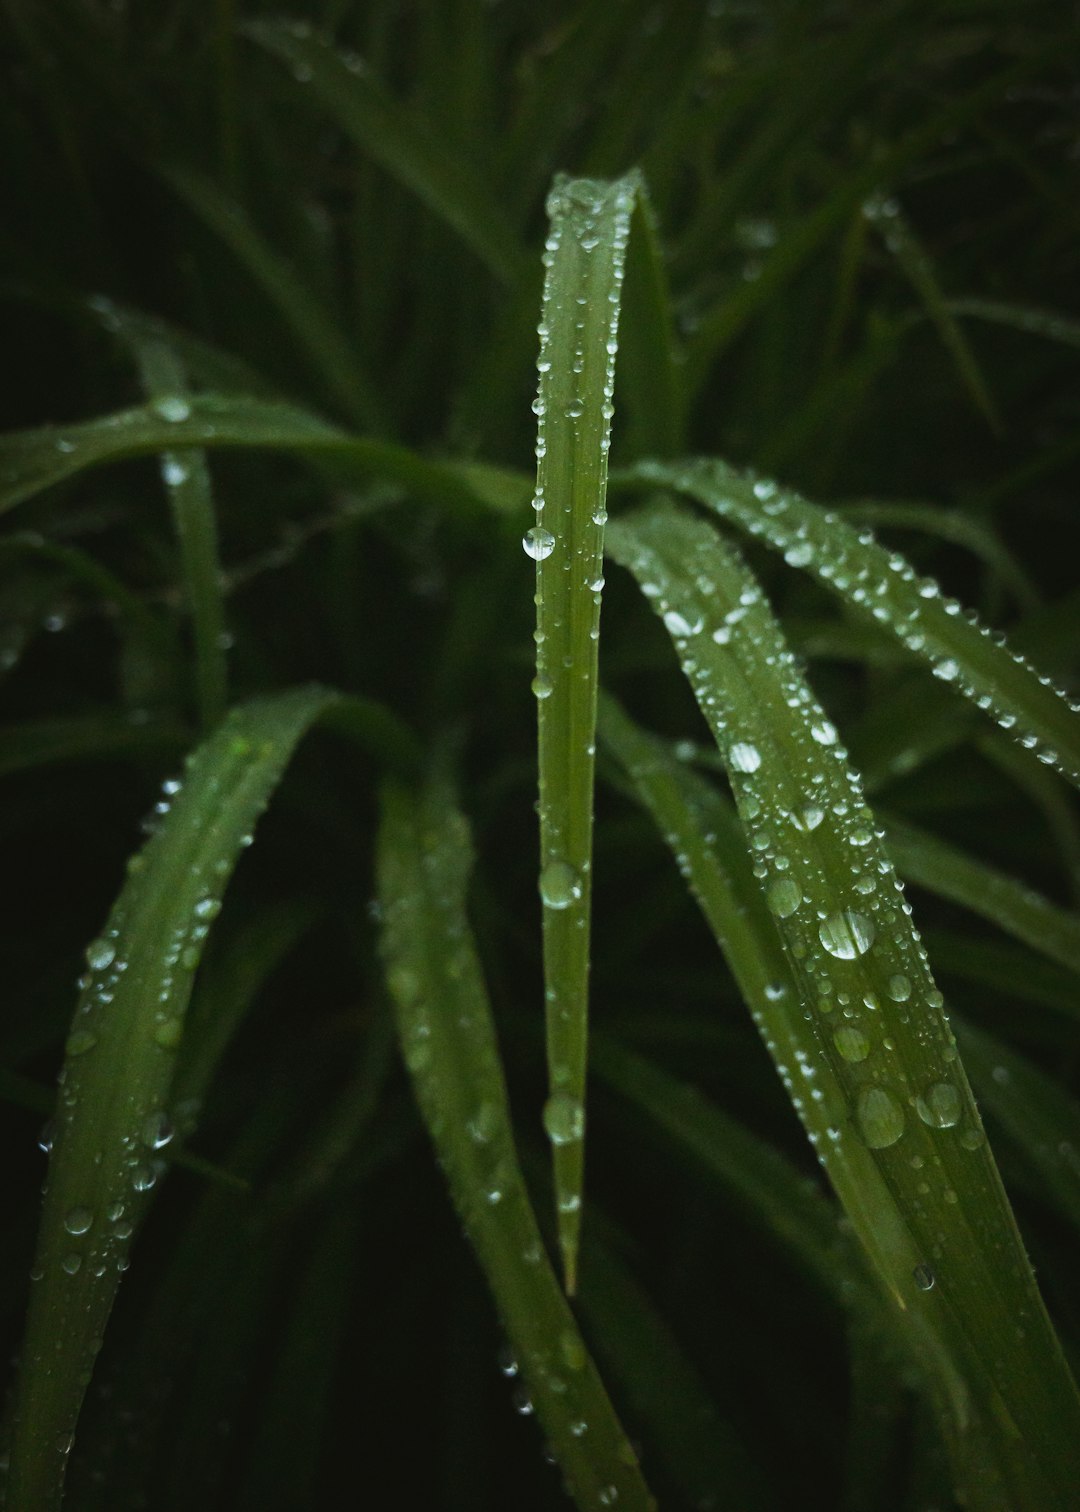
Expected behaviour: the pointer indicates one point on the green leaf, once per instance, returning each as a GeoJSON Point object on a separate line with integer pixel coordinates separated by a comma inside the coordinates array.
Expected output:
{"type": "Point", "coordinates": [884, 590]}
{"type": "Point", "coordinates": [448, 1040]}
{"type": "Point", "coordinates": [585, 258]}
{"type": "Point", "coordinates": [33, 460]}
{"type": "Point", "coordinates": [396, 138]}
{"type": "Point", "coordinates": [868, 1056]}
{"type": "Point", "coordinates": [112, 1114]}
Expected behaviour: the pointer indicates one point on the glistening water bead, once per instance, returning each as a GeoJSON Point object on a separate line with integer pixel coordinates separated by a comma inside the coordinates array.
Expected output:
{"type": "Point", "coordinates": [538, 543]}
{"type": "Point", "coordinates": [940, 1106]}
{"type": "Point", "coordinates": [846, 935]}
{"type": "Point", "coordinates": [560, 885]}
{"type": "Point", "coordinates": [564, 1119]}
{"type": "Point", "coordinates": [880, 1117]}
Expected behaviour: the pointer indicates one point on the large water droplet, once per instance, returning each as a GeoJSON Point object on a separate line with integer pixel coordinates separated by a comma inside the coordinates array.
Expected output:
{"type": "Point", "coordinates": [78, 1220]}
{"type": "Point", "coordinates": [538, 543]}
{"type": "Point", "coordinates": [881, 1118]}
{"type": "Point", "coordinates": [899, 988]}
{"type": "Point", "coordinates": [560, 885]}
{"type": "Point", "coordinates": [940, 1105]}
{"type": "Point", "coordinates": [846, 935]}
{"type": "Point", "coordinates": [744, 757]}
{"type": "Point", "coordinates": [852, 1043]}
{"type": "Point", "coordinates": [564, 1118]}
{"type": "Point", "coordinates": [100, 954]}
{"type": "Point", "coordinates": [783, 896]}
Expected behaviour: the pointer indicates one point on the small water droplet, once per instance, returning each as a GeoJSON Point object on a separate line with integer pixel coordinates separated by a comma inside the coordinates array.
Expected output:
{"type": "Point", "coordinates": [157, 1131]}
{"type": "Point", "coordinates": [881, 1118]}
{"type": "Point", "coordinates": [564, 1118]}
{"type": "Point", "coordinates": [923, 1277]}
{"type": "Point", "coordinates": [783, 896]}
{"type": "Point", "coordinates": [172, 407]}
{"type": "Point", "coordinates": [538, 543]}
{"type": "Point", "coordinates": [940, 1105]}
{"type": "Point", "coordinates": [560, 885]}
{"type": "Point", "coordinates": [744, 757]}
{"type": "Point", "coordinates": [852, 1043]}
{"type": "Point", "coordinates": [824, 732]}
{"type": "Point", "coordinates": [71, 1264]}
{"type": "Point", "coordinates": [100, 954]}
{"type": "Point", "coordinates": [79, 1041]}
{"type": "Point", "coordinates": [541, 686]}
{"type": "Point", "coordinates": [78, 1220]}
{"type": "Point", "coordinates": [808, 818]}
{"type": "Point", "coordinates": [846, 935]}
{"type": "Point", "coordinates": [678, 624]}
{"type": "Point", "coordinates": [899, 988]}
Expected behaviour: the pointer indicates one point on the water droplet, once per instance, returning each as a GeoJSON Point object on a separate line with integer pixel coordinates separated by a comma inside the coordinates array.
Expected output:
{"type": "Point", "coordinates": [947, 670]}
{"type": "Point", "coordinates": [923, 1277]}
{"type": "Point", "coordinates": [538, 543]}
{"type": "Point", "coordinates": [608, 1496]}
{"type": "Point", "coordinates": [564, 1118]}
{"type": "Point", "coordinates": [560, 885]}
{"type": "Point", "coordinates": [46, 1137]}
{"type": "Point", "coordinates": [79, 1041]}
{"type": "Point", "coordinates": [852, 1043]}
{"type": "Point", "coordinates": [881, 1118]}
{"type": "Point", "coordinates": [972, 1137]}
{"type": "Point", "coordinates": [824, 732]}
{"type": "Point", "coordinates": [541, 686]}
{"type": "Point", "coordinates": [482, 1125]}
{"type": "Point", "coordinates": [573, 1352]}
{"type": "Point", "coordinates": [100, 954]}
{"type": "Point", "coordinates": [208, 908]}
{"type": "Point", "coordinates": [846, 935]}
{"type": "Point", "coordinates": [78, 1220]}
{"type": "Point", "coordinates": [744, 757]}
{"type": "Point", "coordinates": [899, 988]}
{"type": "Point", "coordinates": [174, 471]}
{"type": "Point", "coordinates": [71, 1264]}
{"type": "Point", "coordinates": [169, 1034]}
{"type": "Point", "coordinates": [677, 624]}
{"type": "Point", "coordinates": [783, 896]}
{"type": "Point", "coordinates": [172, 407]}
{"type": "Point", "coordinates": [157, 1131]}
{"type": "Point", "coordinates": [808, 818]}
{"type": "Point", "coordinates": [143, 1178]}
{"type": "Point", "coordinates": [940, 1105]}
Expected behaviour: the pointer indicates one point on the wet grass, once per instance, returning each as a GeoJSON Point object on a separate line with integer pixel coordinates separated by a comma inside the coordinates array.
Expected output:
{"type": "Point", "coordinates": [272, 289]}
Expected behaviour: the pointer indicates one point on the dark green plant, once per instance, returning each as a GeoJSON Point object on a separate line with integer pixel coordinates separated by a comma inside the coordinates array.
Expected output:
{"type": "Point", "coordinates": [272, 288]}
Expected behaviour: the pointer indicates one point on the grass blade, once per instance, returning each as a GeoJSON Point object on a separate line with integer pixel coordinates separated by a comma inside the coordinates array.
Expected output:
{"type": "Point", "coordinates": [884, 214]}
{"type": "Point", "coordinates": [115, 1084]}
{"type": "Point", "coordinates": [448, 1040]}
{"type": "Point", "coordinates": [314, 328]}
{"type": "Point", "coordinates": [585, 257]}
{"type": "Point", "coordinates": [881, 587]}
{"type": "Point", "coordinates": [33, 460]}
{"type": "Point", "coordinates": [1022, 912]}
{"type": "Point", "coordinates": [187, 482]}
{"type": "Point", "coordinates": [875, 1074]}
{"type": "Point", "coordinates": [394, 136]}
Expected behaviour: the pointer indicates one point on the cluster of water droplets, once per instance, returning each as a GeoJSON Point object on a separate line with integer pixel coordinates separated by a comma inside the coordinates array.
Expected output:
{"type": "Point", "coordinates": [861, 967]}
{"type": "Point", "coordinates": [885, 587]}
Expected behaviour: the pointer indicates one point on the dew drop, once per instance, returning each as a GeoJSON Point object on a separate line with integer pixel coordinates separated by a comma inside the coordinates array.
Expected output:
{"type": "Point", "coordinates": [560, 885]}
{"type": "Point", "coordinates": [100, 954]}
{"type": "Point", "coordinates": [881, 1118]}
{"type": "Point", "coordinates": [71, 1264]}
{"type": "Point", "coordinates": [846, 935]}
{"type": "Point", "coordinates": [824, 732]}
{"type": "Point", "coordinates": [172, 407]}
{"type": "Point", "coordinates": [852, 1043]}
{"type": "Point", "coordinates": [899, 988]}
{"type": "Point", "coordinates": [808, 818]}
{"type": "Point", "coordinates": [783, 897]}
{"type": "Point", "coordinates": [940, 1105]}
{"type": "Point", "coordinates": [744, 757]}
{"type": "Point", "coordinates": [157, 1131]}
{"type": "Point", "coordinates": [923, 1277]}
{"type": "Point", "coordinates": [677, 624]}
{"type": "Point", "coordinates": [541, 686]}
{"type": "Point", "coordinates": [78, 1220]}
{"type": "Point", "coordinates": [538, 543]}
{"type": "Point", "coordinates": [79, 1041]}
{"type": "Point", "coordinates": [564, 1118]}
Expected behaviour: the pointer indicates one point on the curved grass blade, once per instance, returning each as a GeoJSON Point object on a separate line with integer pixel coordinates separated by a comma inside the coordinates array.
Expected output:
{"type": "Point", "coordinates": [880, 586]}
{"type": "Point", "coordinates": [448, 1040]}
{"type": "Point", "coordinates": [33, 460]}
{"type": "Point", "coordinates": [112, 1113]}
{"type": "Point", "coordinates": [187, 482]}
{"type": "Point", "coordinates": [585, 258]}
{"type": "Point", "coordinates": [885, 215]}
{"type": "Point", "coordinates": [392, 134]}
{"type": "Point", "coordinates": [1026, 318]}
{"type": "Point", "coordinates": [874, 1073]}
{"type": "Point", "coordinates": [1019, 910]}
{"type": "Point", "coordinates": [314, 328]}
{"type": "Point", "coordinates": [1039, 1116]}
